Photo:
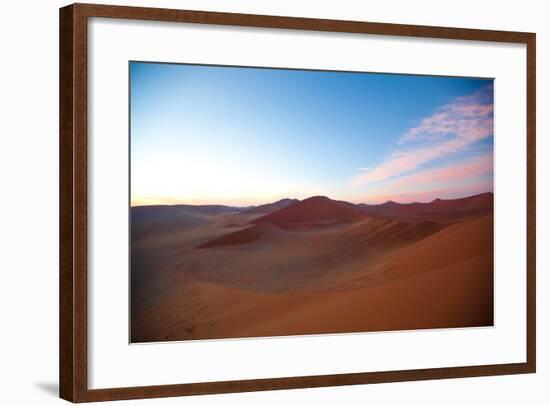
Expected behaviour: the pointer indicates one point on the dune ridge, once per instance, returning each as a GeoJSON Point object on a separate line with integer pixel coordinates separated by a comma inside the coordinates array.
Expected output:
{"type": "Point", "coordinates": [270, 207]}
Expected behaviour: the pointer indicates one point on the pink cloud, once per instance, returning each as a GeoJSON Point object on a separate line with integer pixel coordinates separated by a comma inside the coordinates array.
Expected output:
{"type": "Point", "coordinates": [455, 118]}
{"type": "Point", "coordinates": [452, 128]}
{"type": "Point", "coordinates": [470, 168]}
{"type": "Point", "coordinates": [467, 177]}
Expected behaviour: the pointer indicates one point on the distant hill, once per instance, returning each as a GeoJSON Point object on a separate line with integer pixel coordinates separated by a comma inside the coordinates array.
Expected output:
{"type": "Point", "coordinates": [317, 209]}
{"type": "Point", "coordinates": [270, 207]}
{"type": "Point", "coordinates": [147, 219]}
{"type": "Point", "coordinates": [439, 208]}
{"type": "Point", "coordinates": [170, 210]}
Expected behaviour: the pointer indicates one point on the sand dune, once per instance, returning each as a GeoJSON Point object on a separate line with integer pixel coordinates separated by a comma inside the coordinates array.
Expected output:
{"type": "Point", "coordinates": [453, 290]}
{"type": "Point", "coordinates": [316, 266]}
{"type": "Point", "coordinates": [315, 210]}
{"type": "Point", "coordinates": [264, 257]}
{"type": "Point", "coordinates": [163, 219]}
{"type": "Point", "coordinates": [244, 236]}
{"type": "Point", "coordinates": [369, 232]}
{"type": "Point", "coordinates": [438, 209]}
{"type": "Point", "coordinates": [270, 207]}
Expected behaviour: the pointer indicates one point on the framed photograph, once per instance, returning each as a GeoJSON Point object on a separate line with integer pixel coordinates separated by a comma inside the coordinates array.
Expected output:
{"type": "Point", "coordinates": [256, 202]}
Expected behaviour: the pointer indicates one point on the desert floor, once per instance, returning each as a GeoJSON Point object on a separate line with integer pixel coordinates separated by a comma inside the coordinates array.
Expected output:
{"type": "Point", "coordinates": [220, 277]}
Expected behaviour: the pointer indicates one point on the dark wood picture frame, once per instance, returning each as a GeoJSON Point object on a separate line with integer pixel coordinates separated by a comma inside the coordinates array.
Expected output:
{"type": "Point", "coordinates": [73, 201]}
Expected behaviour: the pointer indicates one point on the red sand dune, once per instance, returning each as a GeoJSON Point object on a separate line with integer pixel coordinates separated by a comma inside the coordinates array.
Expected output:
{"type": "Point", "coordinates": [389, 233]}
{"type": "Point", "coordinates": [445, 280]}
{"type": "Point", "coordinates": [370, 232]}
{"type": "Point", "coordinates": [315, 209]}
{"type": "Point", "coordinates": [438, 208]}
{"type": "Point", "coordinates": [245, 236]}
{"type": "Point", "coordinates": [270, 207]}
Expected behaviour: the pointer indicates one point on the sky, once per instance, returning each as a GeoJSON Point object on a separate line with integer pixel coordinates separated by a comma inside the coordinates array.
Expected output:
{"type": "Point", "coordinates": [246, 136]}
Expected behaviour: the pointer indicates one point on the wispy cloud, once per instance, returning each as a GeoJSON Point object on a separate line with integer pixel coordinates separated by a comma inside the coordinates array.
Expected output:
{"type": "Point", "coordinates": [470, 168]}
{"type": "Point", "coordinates": [468, 176]}
{"type": "Point", "coordinates": [452, 128]}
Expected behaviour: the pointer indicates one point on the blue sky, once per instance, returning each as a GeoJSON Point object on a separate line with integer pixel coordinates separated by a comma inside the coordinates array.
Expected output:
{"type": "Point", "coordinates": [232, 135]}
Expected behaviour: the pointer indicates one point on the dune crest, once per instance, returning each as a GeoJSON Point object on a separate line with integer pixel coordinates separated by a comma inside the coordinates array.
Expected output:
{"type": "Point", "coordinates": [270, 207]}
{"type": "Point", "coordinates": [247, 235]}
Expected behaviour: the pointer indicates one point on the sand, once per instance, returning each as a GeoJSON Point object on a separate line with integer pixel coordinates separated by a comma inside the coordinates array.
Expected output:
{"type": "Point", "coordinates": [231, 275]}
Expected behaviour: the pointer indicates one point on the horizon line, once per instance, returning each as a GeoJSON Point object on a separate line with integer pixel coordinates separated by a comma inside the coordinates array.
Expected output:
{"type": "Point", "coordinates": [300, 200]}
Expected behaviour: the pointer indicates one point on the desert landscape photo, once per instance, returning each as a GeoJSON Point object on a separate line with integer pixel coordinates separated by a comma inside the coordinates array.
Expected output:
{"type": "Point", "coordinates": [273, 202]}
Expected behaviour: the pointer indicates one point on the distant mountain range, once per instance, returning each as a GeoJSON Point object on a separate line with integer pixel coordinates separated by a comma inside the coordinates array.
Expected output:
{"type": "Point", "coordinates": [323, 208]}
{"type": "Point", "coordinates": [313, 212]}
{"type": "Point", "coordinates": [439, 208]}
